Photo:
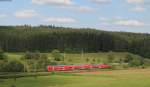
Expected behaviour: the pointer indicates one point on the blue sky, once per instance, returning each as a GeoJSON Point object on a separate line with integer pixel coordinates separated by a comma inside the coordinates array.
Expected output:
{"type": "Point", "coordinates": [112, 15]}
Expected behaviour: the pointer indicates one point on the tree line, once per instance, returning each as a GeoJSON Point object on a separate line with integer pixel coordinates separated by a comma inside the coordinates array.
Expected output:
{"type": "Point", "coordinates": [47, 38]}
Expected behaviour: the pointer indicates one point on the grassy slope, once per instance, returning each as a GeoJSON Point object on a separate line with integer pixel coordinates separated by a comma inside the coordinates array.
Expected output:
{"type": "Point", "coordinates": [77, 58]}
{"type": "Point", "coordinates": [124, 78]}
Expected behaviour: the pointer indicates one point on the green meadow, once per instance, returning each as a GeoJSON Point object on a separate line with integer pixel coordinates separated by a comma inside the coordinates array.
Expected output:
{"type": "Point", "coordinates": [116, 78]}
{"type": "Point", "coordinates": [78, 58]}
{"type": "Point", "coordinates": [97, 78]}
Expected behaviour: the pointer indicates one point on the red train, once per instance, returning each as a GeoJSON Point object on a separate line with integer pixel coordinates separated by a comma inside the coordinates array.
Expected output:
{"type": "Point", "coordinates": [76, 67]}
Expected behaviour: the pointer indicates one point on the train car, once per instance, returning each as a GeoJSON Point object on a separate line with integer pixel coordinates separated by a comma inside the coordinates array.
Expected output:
{"type": "Point", "coordinates": [50, 68]}
{"type": "Point", "coordinates": [88, 66]}
{"type": "Point", "coordinates": [81, 67]}
{"type": "Point", "coordinates": [60, 68]}
{"type": "Point", "coordinates": [104, 66]}
{"type": "Point", "coordinates": [69, 67]}
{"type": "Point", "coordinates": [77, 67]}
{"type": "Point", "coordinates": [95, 66]}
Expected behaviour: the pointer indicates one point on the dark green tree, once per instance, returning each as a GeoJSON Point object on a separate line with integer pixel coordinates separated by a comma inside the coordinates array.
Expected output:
{"type": "Point", "coordinates": [13, 66]}
{"type": "Point", "coordinates": [87, 60]}
{"type": "Point", "coordinates": [57, 55]}
{"type": "Point", "coordinates": [129, 57]}
{"type": "Point", "coordinates": [2, 55]}
{"type": "Point", "coordinates": [111, 57]}
{"type": "Point", "coordinates": [71, 40]}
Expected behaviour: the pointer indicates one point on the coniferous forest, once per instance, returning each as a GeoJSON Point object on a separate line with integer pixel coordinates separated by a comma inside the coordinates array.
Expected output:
{"type": "Point", "coordinates": [47, 38]}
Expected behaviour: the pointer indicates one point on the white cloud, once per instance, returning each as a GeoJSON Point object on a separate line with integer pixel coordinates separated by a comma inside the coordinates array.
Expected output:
{"type": "Point", "coordinates": [84, 9]}
{"type": "Point", "coordinates": [135, 1]}
{"type": "Point", "coordinates": [99, 1]}
{"type": "Point", "coordinates": [59, 20]}
{"type": "Point", "coordinates": [138, 9]}
{"type": "Point", "coordinates": [139, 5]}
{"type": "Point", "coordinates": [3, 15]}
{"type": "Point", "coordinates": [67, 4]}
{"type": "Point", "coordinates": [131, 23]}
{"type": "Point", "coordinates": [119, 21]}
{"type": "Point", "coordinates": [103, 19]}
{"type": "Point", "coordinates": [53, 2]}
{"type": "Point", "coordinates": [110, 20]}
{"type": "Point", "coordinates": [26, 14]}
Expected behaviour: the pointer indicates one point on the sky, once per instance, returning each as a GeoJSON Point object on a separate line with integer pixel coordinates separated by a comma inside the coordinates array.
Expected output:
{"type": "Point", "coordinates": [109, 15]}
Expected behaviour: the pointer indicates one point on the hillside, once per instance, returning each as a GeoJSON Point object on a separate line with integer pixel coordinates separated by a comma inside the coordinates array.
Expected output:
{"type": "Point", "coordinates": [48, 38]}
{"type": "Point", "coordinates": [85, 58]}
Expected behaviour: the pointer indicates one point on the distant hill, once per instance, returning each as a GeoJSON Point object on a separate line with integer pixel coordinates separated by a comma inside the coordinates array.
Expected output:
{"type": "Point", "coordinates": [48, 38]}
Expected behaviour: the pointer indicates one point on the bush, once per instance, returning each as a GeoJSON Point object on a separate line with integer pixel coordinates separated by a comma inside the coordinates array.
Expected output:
{"type": "Point", "coordinates": [13, 66]}
{"type": "Point", "coordinates": [115, 66]}
{"type": "Point", "coordinates": [87, 59]}
{"type": "Point", "coordinates": [146, 63]}
{"type": "Point", "coordinates": [43, 61]}
{"type": "Point", "coordinates": [2, 55]}
{"type": "Point", "coordinates": [111, 57]}
{"type": "Point", "coordinates": [57, 55]}
{"type": "Point", "coordinates": [128, 58]}
{"type": "Point", "coordinates": [53, 63]}
{"type": "Point", "coordinates": [125, 65]}
{"type": "Point", "coordinates": [135, 62]}
{"type": "Point", "coordinates": [120, 66]}
{"type": "Point", "coordinates": [32, 55]}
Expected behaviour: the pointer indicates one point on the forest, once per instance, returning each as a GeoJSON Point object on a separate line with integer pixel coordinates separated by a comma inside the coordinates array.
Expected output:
{"type": "Point", "coordinates": [71, 40]}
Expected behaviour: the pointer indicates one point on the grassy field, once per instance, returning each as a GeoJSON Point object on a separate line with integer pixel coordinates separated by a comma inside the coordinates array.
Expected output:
{"type": "Point", "coordinates": [115, 78]}
{"type": "Point", "coordinates": [78, 58]}
{"type": "Point", "coordinates": [118, 78]}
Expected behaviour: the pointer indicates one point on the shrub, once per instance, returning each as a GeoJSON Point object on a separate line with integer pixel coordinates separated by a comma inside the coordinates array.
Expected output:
{"type": "Point", "coordinates": [57, 55]}
{"type": "Point", "coordinates": [43, 61]}
{"type": "Point", "coordinates": [87, 60]}
{"type": "Point", "coordinates": [13, 66]}
{"type": "Point", "coordinates": [2, 55]}
{"type": "Point", "coordinates": [129, 57]}
{"type": "Point", "coordinates": [111, 57]}
{"type": "Point", "coordinates": [135, 62]}
{"type": "Point", "coordinates": [146, 63]}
